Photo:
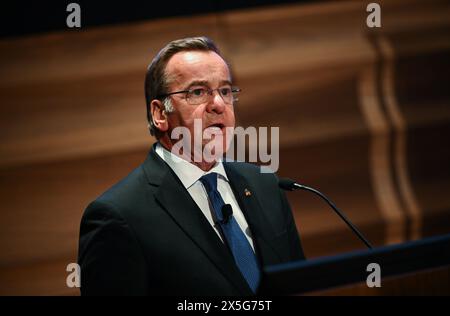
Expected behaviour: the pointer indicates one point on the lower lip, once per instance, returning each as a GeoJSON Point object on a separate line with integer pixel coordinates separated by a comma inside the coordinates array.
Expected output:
{"type": "Point", "coordinates": [212, 131]}
{"type": "Point", "coordinates": [214, 128]}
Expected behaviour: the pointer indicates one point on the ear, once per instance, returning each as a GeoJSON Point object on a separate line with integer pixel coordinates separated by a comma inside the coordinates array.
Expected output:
{"type": "Point", "coordinates": [159, 115]}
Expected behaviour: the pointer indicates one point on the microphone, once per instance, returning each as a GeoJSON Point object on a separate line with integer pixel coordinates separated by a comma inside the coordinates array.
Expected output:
{"type": "Point", "coordinates": [227, 212]}
{"type": "Point", "coordinates": [291, 185]}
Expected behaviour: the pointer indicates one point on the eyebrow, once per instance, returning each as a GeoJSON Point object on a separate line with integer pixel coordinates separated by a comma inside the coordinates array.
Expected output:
{"type": "Point", "coordinates": [205, 83]}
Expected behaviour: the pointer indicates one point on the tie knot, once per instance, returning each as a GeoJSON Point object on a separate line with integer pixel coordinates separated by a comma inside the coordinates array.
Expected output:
{"type": "Point", "coordinates": [209, 181]}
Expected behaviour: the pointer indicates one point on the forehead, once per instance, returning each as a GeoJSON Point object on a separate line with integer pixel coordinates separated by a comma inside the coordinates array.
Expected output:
{"type": "Point", "coordinates": [186, 67]}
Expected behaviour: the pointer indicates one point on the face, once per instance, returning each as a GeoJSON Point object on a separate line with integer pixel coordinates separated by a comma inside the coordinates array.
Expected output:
{"type": "Point", "coordinates": [199, 69]}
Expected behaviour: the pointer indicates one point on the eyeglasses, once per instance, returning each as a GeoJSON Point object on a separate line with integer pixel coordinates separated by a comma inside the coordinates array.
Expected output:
{"type": "Point", "coordinates": [201, 95]}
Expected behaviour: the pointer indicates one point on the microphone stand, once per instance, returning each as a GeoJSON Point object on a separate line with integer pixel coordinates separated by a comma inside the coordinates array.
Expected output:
{"type": "Point", "coordinates": [334, 207]}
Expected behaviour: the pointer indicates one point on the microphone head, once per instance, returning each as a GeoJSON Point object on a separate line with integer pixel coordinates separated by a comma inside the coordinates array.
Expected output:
{"type": "Point", "coordinates": [227, 212]}
{"type": "Point", "coordinates": [286, 184]}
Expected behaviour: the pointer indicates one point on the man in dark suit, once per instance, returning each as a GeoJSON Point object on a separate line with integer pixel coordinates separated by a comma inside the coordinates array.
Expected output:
{"type": "Point", "coordinates": [178, 225]}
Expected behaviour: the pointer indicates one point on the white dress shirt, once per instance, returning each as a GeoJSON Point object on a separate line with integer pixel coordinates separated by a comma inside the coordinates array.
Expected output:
{"type": "Point", "coordinates": [189, 174]}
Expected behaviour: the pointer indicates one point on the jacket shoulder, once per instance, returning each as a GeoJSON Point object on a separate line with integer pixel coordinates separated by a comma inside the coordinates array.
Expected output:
{"type": "Point", "coordinates": [252, 171]}
{"type": "Point", "coordinates": [126, 192]}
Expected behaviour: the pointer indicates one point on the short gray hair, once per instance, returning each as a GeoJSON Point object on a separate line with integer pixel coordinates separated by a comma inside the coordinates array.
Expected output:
{"type": "Point", "coordinates": [156, 81]}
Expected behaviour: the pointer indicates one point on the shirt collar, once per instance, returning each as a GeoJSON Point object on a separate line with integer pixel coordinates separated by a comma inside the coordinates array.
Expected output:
{"type": "Point", "coordinates": [187, 172]}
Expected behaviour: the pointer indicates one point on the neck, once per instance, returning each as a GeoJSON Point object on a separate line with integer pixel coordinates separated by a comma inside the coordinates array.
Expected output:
{"type": "Point", "coordinates": [189, 157]}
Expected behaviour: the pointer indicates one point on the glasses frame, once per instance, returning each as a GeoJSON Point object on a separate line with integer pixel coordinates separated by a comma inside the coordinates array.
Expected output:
{"type": "Point", "coordinates": [234, 89]}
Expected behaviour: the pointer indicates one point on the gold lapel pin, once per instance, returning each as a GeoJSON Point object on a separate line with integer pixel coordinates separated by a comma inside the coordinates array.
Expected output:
{"type": "Point", "coordinates": [247, 192]}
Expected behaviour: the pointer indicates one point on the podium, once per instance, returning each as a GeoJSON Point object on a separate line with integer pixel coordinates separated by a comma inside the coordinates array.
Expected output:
{"type": "Point", "coordinates": [402, 261]}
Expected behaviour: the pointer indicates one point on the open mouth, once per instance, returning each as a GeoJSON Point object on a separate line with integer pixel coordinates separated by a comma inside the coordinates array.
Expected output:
{"type": "Point", "coordinates": [216, 126]}
{"type": "Point", "coordinates": [214, 129]}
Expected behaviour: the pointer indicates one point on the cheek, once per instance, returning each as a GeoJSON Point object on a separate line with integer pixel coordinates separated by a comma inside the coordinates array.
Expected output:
{"type": "Point", "coordinates": [185, 116]}
{"type": "Point", "coordinates": [192, 116]}
{"type": "Point", "coordinates": [198, 112]}
{"type": "Point", "coordinates": [230, 119]}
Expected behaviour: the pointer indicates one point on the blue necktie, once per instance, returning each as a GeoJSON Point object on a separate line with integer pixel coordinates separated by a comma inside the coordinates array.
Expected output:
{"type": "Point", "coordinates": [240, 247]}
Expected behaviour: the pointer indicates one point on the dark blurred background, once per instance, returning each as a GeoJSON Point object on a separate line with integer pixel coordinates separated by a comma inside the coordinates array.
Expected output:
{"type": "Point", "coordinates": [20, 18]}
{"type": "Point", "coordinates": [364, 115]}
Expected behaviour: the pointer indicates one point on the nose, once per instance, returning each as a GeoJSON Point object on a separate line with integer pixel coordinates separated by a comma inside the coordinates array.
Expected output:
{"type": "Point", "coordinates": [216, 103]}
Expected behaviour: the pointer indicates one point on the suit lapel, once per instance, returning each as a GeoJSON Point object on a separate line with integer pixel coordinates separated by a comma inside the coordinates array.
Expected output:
{"type": "Point", "coordinates": [260, 226]}
{"type": "Point", "coordinates": [178, 203]}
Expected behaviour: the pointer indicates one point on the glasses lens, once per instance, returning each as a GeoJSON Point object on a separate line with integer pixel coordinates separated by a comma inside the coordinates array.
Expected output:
{"type": "Point", "coordinates": [226, 94]}
{"type": "Point", "coordinates": [200, 95]}
{"type": "Point", "coordinates": [235, 93]}
{"type": "Point", "coordinates": [197, 96]}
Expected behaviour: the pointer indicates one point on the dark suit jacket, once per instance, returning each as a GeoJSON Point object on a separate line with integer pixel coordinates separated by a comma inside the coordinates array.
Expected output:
{"type": "Point", "coordinates": [146, 235]}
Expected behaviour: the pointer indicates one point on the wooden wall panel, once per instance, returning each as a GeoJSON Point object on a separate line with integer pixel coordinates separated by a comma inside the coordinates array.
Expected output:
{"type": "Point", "coordinates": [87, 87]}
{"type": "Point", "coordinates": [41, 212]}
{"type": "Point", "coordinates": [363, 114]}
